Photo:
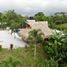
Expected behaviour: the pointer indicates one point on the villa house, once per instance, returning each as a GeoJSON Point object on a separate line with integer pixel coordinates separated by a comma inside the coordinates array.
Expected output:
{"type": "Point", "coordinates": [32, 24]}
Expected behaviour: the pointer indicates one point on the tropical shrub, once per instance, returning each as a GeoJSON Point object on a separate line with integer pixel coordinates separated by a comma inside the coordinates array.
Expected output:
{"type": "Point", "coordinates": [35, 37]}
{"type": "Point", "coordinates": [11, 63]}
{"type": "Point", "coordinates": [48, 63]}
{"type": "Point", "coordinates": [56, 47]}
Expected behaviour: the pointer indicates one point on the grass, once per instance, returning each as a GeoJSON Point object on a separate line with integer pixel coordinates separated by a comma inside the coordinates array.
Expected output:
{"type": "Point", "coordinates": [25, 56]}
{"type": "Point", "coordinates": [62, 26]}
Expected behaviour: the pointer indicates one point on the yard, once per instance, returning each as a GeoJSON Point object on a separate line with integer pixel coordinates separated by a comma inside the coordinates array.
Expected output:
{"type": "Point", "coordinates": [24, 55]}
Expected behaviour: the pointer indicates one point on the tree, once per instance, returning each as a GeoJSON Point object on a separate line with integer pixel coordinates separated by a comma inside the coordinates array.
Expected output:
{"type": "Point", "coordinates": [40, 16]}
{"type": "Point", "coordinates": [35, 37]}
{"type": "Point", "coordinates": [1, 16]}
{"type": "Point", "coordinates": [51, 22]}
{"type": "Point", "coordinates": [59, 18]}
{"type": "Point", "coordinates": [11, 19]}
{"type": "Point", "coordinates": [13, 16]}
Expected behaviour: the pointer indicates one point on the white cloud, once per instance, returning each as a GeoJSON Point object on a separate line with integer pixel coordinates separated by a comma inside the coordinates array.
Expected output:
{"type": "Point", "coordinates": [29, 7]}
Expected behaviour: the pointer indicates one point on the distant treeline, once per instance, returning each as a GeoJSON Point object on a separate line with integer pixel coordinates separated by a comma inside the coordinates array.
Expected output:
{"type": "Point", "coordinates": [13, 20]}
{"type": "Point", "coordinates": [57, 18]}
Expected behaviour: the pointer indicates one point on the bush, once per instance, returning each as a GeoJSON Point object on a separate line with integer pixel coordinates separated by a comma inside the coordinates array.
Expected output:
{"type": "Point", "coordinates": [48, 63]}
{"type": "Point", "coordinates": [11, 63]}
{"type": "Point", "coordinates": [56, 47]}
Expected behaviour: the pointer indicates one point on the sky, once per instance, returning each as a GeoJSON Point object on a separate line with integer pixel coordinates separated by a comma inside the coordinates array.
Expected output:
{"type": "Point", "coordinates": [31, 7]}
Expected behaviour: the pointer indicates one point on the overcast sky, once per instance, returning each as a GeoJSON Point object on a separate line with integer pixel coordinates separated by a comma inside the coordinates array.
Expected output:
{"type": "Point", "coordinates": [30, 7]}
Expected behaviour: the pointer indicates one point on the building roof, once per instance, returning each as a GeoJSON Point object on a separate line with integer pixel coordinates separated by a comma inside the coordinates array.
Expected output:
{"type": "Point", "coordinates": [42, 25]}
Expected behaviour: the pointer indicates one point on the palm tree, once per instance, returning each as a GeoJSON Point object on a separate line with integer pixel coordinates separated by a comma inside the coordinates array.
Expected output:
{"type": "Point", "coordinates": [35, 37]}
{"type": "Point", "coordinates": [11, 63]}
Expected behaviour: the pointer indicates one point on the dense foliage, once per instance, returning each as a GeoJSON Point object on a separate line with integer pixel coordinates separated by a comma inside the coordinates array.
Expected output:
{"type": "Point", "coordinates": [11, 19]}
{"type": "Point", "coordinates": [57, 19]}
{"type": "Point", "coordinates": [62, 26]}
{"type": "Point", "coordinates": [11, 63]}
{"type": "Point", "coordinates": [48, 63]}
{"type": "Point", "coordinates": [40, 16]}
{"type": "Point", "coordinates": [56, 47]}
{"type": "Point", "coordinates": [35, 37]}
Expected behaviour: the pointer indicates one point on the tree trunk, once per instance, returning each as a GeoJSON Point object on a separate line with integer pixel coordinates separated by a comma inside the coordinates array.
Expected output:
{"type": "Point", "coordinates": [34, 50]}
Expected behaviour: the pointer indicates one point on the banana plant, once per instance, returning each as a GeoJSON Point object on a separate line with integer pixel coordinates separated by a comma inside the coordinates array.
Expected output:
{"type": "Point", "coordinates": [56, 47]}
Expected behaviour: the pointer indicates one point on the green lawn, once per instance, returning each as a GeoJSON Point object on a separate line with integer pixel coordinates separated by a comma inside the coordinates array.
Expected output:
{"type": "Point", "coordinates": [25, 56]}
{"type": "Point", "coordinates": [62, 26]}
